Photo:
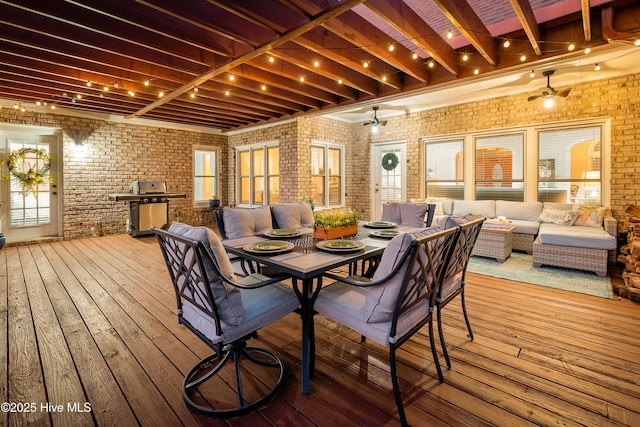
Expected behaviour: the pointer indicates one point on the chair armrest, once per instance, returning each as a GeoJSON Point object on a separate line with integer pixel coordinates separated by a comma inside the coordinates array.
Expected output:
{"type": "Point", "coordinates": [258, 282]}
{"type": "Point", "coordinates": [611, 225]}
{"type": "Point", "coordinates": [355, 280]}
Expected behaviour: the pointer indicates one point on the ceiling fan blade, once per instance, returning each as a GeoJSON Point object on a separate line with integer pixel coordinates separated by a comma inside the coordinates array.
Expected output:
{"type": "Point", "coordinates": [563, 92]}
{"type": "Point", "coordinates": [366, 123]}
{"type": "Point", "coordinates": [382, 122]}
{"type": "Point", "coordinates": [531, 98]}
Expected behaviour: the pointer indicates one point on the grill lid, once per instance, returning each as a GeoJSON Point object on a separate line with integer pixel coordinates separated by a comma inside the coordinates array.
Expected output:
{"type": "Point", "coordinates": [149, 187]}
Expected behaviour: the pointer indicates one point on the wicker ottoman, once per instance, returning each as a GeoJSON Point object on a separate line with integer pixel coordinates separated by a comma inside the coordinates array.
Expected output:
{"type": "Point", "coordinates": [495, 243]}
{"type": "Point", "coordinates": [570, 257]}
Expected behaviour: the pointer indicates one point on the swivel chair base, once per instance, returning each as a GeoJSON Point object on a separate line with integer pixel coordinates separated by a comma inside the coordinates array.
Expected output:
{"type": "Point", "coordinates": [236, 382]}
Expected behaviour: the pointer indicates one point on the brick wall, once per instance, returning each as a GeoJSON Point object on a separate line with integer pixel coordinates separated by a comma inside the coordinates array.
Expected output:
{"type": "Point", "coordinates": [115, 154]}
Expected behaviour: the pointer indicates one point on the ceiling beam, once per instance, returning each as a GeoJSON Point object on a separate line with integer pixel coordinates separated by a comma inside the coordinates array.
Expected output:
{"type": "Point", "coordinates": [525, 14]}
{"type": "Point", "coordinates": [264, 48]}
{"type": "Point", "coordinates": [586, 20]}
{"type": "Point", "coordinates": [401, 17]}
{"type": "Point", "coordinates": [467, 22]}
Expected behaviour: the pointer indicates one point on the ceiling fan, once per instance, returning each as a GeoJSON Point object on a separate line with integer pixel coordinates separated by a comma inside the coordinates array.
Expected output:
{"type": "Point", "coordinates": [549, 92]}
{"type": "Point", "coordinates": [375, 121]}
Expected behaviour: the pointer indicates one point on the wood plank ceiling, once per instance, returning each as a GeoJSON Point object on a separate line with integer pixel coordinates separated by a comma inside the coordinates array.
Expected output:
{"type": "Point", "coordinates": [229, 64]}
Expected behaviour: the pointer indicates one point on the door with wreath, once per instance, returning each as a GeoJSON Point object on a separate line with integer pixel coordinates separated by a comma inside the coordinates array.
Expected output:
{"type": "Point", "coordinates": [28, 190]}
{"type": "Point", "coordinates": [388, 175]}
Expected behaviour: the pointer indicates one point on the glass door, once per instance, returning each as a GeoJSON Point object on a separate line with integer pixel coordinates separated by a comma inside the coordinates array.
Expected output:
{"type": "Point", "coordinates": [28, 196]}
{"type": "Point", "coordinates": [388, 175]}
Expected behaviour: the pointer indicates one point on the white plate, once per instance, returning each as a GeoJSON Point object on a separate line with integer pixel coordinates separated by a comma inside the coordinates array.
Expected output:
{"type": "Point", "coordinates": [385, 234]}
{"type": "Point", "coordinates": [268, 247]}
{"type": "Point", "coordinates": [380, 224]}
{"type": "Point", "coordinates": [340, 245]}
{"type": "Point", "coordinates": [282, 233]}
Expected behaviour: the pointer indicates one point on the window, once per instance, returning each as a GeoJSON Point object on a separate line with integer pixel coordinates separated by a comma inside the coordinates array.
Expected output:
{"type": "Point", "coordinates": [556, 162]}
{"type": "Point", "coordinates": [205, 177]}
{"type": "Point", "coordinates": [570, 165]}
{"type": "Point", "coordinates": [444, 168]}
{"type": "Point", "coordinates": [327, 172]}
{"type": "Point", "coordinates": [499, 168]}
{"type": "Point", "coordinates": [258, 174]}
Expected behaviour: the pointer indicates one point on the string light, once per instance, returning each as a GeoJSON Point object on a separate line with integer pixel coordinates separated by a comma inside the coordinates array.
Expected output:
{"type": "Point", "coordinates": [302, 79]}
{"type": "Point", "coordinates": [384, 78]}
{"type": "Point", "coordinates": [597, 67]}
{"type": "Point", "coordinates": [571, 47]}
{"type": "Point", "coordinates": [195, 89]}
{"type": "Point", "coordinates": [523, 58]}
{"type": "Point", "coordinates": [366, 64]}
{"type": "Point", "coordinates": [316, 63]}
{"type": "Point", "coordinates": [392, 48]}
{"type": "Point", "coordinates": [227, 92]}
{"type": "Point", "coordinates": [339, 81]}
{"type": "Point", "coordinates": [146, 82]}
{"type": "Point", "coordinates": [414, 56]}
{"type": "Point", "coordinates": [432, 64]}
{"type": "Point", "coordinates": [587, 50]}
{"type": "Point", "coordinates": [116, 85]}
{"type": "Point", "coordinates": [105, 89]}
{"type": "Point", "coordinates": [89, 84]}
{"type": "Point", "coordinates": [637, 42]}
{"type": "Point", "coordinates": [131, 93]}
{"type": "Point", "coordinates": [532, 74]}
{"type": "Point", "coordinates": [79, 96]}
{"type": "Point", "coordinates": [192, 95]}
{"type": "Point", "coordinates": [476, 71]}
{"type": "Point", "coordinates": [232, 77]}
{"type": "Point", "coordinates": [263, 87]}
{"type": "Point", "coordinates": [160, 94]}
{"type": "Point", "coordinates": [506, 43]}
{"type": "Point", "coordinates": [449, 34]}
{"type": "Point", "coordinates": [465, 57]}
{"type": "Point", "coordinates": [272, 59]}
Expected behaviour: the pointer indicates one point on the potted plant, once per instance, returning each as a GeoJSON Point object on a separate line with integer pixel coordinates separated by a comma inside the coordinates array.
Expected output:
{"type": "Point", "coordinates": [214, 202]}
{"type": "Point", "coordinates": [333, 225]}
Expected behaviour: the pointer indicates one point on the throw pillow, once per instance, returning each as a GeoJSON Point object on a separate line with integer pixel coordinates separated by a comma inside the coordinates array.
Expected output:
{"type": "Point", "coordinates": [590, 216]}
{"type": "Point", "coordinates": [557, 216]}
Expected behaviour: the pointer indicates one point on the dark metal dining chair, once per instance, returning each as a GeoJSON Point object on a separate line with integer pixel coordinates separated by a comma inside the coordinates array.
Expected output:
{"type": "Point", "coordinates": [225, 314]}
{"type": "Point", "coordinates": [398, 300]}
{"type": "Point", "coordinates": [454, 277]}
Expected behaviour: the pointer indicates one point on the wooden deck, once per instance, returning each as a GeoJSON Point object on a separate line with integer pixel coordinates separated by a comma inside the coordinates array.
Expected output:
{"type": "Point", "coordinates": [89, 325]}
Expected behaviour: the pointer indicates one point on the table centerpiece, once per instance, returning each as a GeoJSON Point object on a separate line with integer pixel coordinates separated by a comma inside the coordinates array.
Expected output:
{"type": "Point", "coordinates": [334, 225]}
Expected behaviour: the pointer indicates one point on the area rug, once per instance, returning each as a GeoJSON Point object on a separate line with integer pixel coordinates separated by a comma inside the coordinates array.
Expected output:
{"type": "Point", "coordinates": [519, 267]}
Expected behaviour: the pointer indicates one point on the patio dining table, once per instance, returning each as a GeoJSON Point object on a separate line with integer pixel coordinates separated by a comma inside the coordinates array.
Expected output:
{"type": "Point", "coordinates": [305, 263]}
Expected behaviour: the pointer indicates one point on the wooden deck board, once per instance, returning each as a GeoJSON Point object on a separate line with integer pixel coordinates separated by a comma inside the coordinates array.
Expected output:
{"type": "Point", "coordinates": [94, 320]}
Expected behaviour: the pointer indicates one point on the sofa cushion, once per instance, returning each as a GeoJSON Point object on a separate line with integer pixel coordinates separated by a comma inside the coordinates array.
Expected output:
{"type": "Point", "coordinates": [557, 205]}
{"type": "Point", "coordinates": [518, 210]}
{"type": "Point", "coordinates": [485, 208]}
{"type": "Point", "coordinates": [293, 215]}
{"type": "Point", "coordinates": [557, 216]}
{"type": "Point", "coordinates": [227, 297]}
{"type": "Point", "coordinates": [525, 227]}
{"type": "Point", "coordinates": [581, 237]}
{"type": "Point", "coordinates": [381, 299]}
{"type": "Point", "coordinates": [445, 203]}
{"type": "Point", "coordinates": [241, 222]}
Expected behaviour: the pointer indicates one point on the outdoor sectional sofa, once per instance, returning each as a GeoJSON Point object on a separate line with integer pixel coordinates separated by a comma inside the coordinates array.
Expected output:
{"type": "Point", "coordinates": [558, 234]}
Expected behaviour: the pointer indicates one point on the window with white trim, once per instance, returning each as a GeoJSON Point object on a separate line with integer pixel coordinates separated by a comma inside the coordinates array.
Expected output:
{"type": "Point", "coordinates": [327, 174]}
{"type": "Point", "coordinates": [258, 169]}
{"type": "Point", "coordinates": [558, 162]}
{"type": "Point", "coordinates": [205, 173]}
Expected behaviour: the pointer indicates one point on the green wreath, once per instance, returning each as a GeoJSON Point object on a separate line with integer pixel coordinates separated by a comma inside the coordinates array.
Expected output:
{"type": "Point", "coordinates": [33, 176]}
{"type": "Point", "coordinates": [389, 161]}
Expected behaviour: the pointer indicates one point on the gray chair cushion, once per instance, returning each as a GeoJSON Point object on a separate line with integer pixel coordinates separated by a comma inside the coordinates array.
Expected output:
{"type": "Point", "coordinates": [346, 304]}
{"type": "Point", "coordinates": [381, 299]}
{"type": "Point", "coordinates": [451, 221]}
{"type": "Point", "coordinates": [261, 307]}
{"type": "Point", "coordinates": [227, 297]}
{"type": "Point", "coordinates": [407, 214]}
{"type": "Point", "coordinates": [293, 215]}
{"type": "Point", "coordinates": [240, 222]}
